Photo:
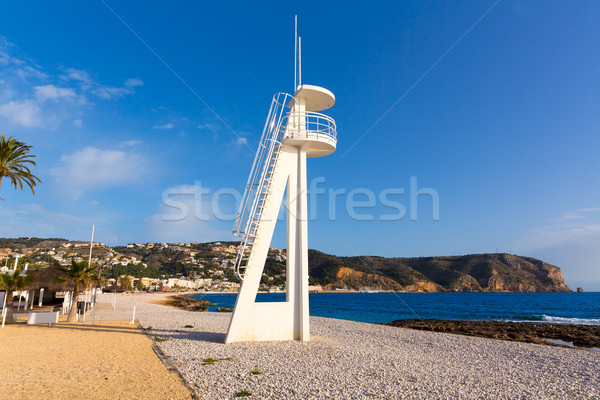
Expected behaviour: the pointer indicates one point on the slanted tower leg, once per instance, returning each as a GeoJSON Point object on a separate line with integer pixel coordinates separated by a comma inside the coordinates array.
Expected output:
{"type": "Point", "coordinates": [252, 321]}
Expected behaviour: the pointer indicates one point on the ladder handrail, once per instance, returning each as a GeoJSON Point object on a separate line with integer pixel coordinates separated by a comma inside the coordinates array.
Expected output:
{"type": "Point", "coordinates": [249, 214]}
{"type": "Point", "coordinates": [266, 137]}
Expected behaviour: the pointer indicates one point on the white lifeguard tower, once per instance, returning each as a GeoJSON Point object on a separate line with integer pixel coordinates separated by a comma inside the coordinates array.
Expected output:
{"type": "Point", "coordinates": [294, 130]}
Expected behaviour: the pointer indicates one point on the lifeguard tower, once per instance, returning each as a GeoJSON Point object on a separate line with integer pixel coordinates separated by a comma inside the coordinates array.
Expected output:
{"type": "Point", "coordinates": [293, 132]}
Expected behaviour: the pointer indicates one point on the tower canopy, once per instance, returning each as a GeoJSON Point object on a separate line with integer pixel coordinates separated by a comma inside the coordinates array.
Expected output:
{"type": "Point", "coordinates": [316, 98]}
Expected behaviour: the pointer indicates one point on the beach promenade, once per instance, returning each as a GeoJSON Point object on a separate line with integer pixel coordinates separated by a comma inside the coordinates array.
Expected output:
{"type": "Point", "coordinates": [109, 360]}
{"type": "Point", "coordinates": [352, 360]}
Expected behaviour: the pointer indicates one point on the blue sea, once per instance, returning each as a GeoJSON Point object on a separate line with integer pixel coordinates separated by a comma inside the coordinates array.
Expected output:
{"type": "Point", "coordinates": [575, 308]}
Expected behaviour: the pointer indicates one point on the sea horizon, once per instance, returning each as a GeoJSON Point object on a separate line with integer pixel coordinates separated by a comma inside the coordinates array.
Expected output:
{"type": "Point", "coordinates": [385, 307]}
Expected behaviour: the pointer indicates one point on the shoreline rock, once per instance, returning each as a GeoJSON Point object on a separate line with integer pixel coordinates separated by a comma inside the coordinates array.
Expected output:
{"type": "Point", "coordinates": [583, 336]}
{"type": "Point", "coordinates": [184, 303]}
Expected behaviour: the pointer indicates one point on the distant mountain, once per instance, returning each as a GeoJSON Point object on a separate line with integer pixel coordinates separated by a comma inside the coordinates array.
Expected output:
{"type": "Point", "coordinates": [27, 242]}
{"type": "Point", "coordinates": [469, 273]}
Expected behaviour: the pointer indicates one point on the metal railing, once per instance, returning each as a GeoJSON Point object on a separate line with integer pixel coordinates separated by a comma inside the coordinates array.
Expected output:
{"type": "Point", "coordinates": [309, 124]}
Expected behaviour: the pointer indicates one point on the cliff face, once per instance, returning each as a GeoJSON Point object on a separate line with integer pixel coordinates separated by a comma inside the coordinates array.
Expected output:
{"type": "Point", "coordinates": [470, 273]}
{"type": "Point", "coordinates": [349, 278]}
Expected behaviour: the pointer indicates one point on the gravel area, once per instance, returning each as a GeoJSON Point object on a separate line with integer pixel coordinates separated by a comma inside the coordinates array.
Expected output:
{"type": "Point", "coordinates": [352, 360]}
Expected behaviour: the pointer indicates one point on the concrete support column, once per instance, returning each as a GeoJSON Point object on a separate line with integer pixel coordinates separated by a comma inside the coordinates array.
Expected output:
{"type": "Point", "coordinates": [301, 316]}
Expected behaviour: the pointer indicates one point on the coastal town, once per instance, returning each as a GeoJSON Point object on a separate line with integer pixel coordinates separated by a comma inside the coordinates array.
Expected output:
{"type": "Point", "coordinates": [143, 267]}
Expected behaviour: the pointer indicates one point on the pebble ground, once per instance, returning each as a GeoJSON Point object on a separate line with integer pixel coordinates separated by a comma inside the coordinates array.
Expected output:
{"type": "Point", "coordinates": [353, 360]}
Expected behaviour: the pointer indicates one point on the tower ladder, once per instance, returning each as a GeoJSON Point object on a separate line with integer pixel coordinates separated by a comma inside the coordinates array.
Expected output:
{"type": "Point", "coordinates": [258, 188]}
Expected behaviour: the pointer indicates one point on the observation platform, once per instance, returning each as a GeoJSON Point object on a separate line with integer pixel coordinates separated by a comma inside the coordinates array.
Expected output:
{"type": "Point", "coordinates": [314, 132]}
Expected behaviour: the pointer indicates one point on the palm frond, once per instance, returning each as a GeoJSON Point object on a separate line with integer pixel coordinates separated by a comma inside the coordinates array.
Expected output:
{"type": "Point", "coordinates": [14, 163]}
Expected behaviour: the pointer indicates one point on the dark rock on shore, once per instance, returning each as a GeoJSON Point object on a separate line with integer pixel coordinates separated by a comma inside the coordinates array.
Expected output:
{"type": "Point", "coordinates": [185, 303]}
{"type": "Point", "coordinates": [580, 290]}
{"type": "Point", "coordinates": [534, 332]}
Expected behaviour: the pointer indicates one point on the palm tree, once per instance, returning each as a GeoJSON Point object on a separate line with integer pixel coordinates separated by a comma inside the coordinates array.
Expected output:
{"type": "Point", "coordinates": [79, 274]}
{"type": "Point", "coordinates": [15, 161]}
{"type": "Point", "coordinates": [10, 282]}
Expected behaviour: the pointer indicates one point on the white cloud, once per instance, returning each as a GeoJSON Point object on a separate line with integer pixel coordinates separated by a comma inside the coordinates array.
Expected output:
{"type": "Point", "coordinates": [41, 103]}
{"type": "Point", "coordinates": [587, 210]}
{"type": "Point", "coordinates": [86, 83]}
{"type": "Point", "coordinates": [79, 75]}
{"type": "Point", "coordinates": [107, 92]}
{"type": "Point", "coordinates": [129, 143]}
{"type": "Point", "coordinates": [5, 57]}
{"type": "Point", "coordinates": [91, 168]}
{"type": "Point", "coordinates": [35, 220]}
{"type": "Point", "coordinates": [51, 92]}
{"type": "Point", "coordinates": [209, 127]}
{"type": "Point", "coordinates": [560, 235]}
{"type": "Point", "coordinates": [30, 71]}
{"type": "Point", "coordinates": [571, 242]}
{"type": "Point", "coordinates": [166, 126]}
{"type": "Point", "coordinates": [15, 66]}
{"type": "Point", "coordinates": [576, 214]}
{"type": "Point", "coordinates": [25, 113]}
{"type": "Point", "coordinates": [133, 82]}
{"type": "Point", "coordinates": [572, 227]}
{"type": "Point", "coordinates": [189, 213]}
{"type": "Point", "coordinates": [241, 141]}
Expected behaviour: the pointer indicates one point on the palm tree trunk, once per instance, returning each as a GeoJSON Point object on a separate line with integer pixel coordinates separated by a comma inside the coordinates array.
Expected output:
{"type": "Point", "coordinates": [9, 307]}
{"type": "Point", "coordinates": [73, 314]}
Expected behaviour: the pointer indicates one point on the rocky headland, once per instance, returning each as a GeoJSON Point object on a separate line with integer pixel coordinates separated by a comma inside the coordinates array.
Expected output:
{"type": "Point", "coordinates": [468, 273]}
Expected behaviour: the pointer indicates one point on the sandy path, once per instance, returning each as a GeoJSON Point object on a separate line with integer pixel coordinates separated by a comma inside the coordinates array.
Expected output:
{"type": "Point", "coordinates": [110, 360]}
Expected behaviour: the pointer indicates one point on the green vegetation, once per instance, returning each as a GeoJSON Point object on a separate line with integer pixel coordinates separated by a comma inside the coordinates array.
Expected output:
{"type": "Point", "coordinates": [125, 283]}
{"type": "Point", "coordinates": [256, 372]}
{"type": "Point", "coordinates": [10, 282]}
{"type": "Point", "coordinates": [189, 326]}
{"type": "Point", "coordinates": [243, 393]}
{"type": "Point", "coordinates": [15, 162]}
{"type": "Point", "coordinates": [148, 329]}
{"type": "Point", "coordinates": [211, 361]}
{"type": "Point", "coordinates": [22, 242]}
{"type": "Point", "coordinates": [135, 270]}
{"type": "Point", "coordinates": [79, 274]}
{"type": "Point", "coordinates": [157, 339]}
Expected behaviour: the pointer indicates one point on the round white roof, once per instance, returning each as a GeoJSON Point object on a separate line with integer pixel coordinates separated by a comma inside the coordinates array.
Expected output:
{"type": "Point", "coordinates": [317, 98]}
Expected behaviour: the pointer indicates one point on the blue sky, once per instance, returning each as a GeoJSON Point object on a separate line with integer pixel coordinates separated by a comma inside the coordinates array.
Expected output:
{"type": "Point", "coordinates": [504, 128]}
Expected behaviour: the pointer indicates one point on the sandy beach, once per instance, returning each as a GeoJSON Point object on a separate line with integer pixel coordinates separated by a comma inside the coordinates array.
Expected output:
{"type": "Point", "coordinates": [109, 360]}
{"type": "Point", "coordinates": [351, 360]}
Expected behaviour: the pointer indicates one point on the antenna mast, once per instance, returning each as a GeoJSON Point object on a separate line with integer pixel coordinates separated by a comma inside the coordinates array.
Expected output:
{"type": "Point", "coordinates": [299, 61]}
{"type": "Point", "coordinates": [295, 53]}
